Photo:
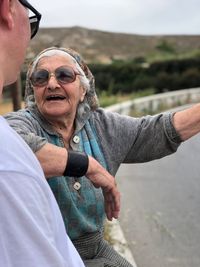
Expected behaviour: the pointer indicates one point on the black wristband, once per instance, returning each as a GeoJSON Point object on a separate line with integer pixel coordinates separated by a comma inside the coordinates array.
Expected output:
{"type": "Point", "coordinates": [77, 164]}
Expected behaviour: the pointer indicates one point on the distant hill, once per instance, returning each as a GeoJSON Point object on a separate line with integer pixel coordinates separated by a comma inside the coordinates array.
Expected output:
{"type": "Point", "coordinates": [104, 47]}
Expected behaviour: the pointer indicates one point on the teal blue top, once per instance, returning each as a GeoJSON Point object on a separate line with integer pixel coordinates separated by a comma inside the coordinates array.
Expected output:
{"type": "Point", "coordinates": [82, 209]}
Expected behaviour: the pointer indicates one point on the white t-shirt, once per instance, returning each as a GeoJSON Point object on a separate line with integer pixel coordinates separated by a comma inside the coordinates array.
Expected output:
{"type": "Point", "coordinates": [32, 232]}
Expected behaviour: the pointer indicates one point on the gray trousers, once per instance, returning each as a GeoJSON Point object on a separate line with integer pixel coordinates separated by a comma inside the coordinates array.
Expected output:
{"type": "Point", "coordinates": [97, 252]}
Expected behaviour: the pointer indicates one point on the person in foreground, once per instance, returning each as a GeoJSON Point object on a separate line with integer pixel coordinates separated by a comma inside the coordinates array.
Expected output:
{"type": "Point", "coordinates": [32, 231]}
{"type": "Point", "coordinates": [62, 111]}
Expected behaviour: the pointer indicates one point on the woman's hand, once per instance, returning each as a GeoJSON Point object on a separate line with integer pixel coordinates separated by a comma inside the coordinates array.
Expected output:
{"type": "Point", "coordinates": [58, 156]}
{"type": "Point", "coordinates": [101, 178]}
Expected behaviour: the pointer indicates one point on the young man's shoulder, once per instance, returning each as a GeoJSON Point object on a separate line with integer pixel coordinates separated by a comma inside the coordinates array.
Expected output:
{"type": "Point", "coordinates": [29, 207]}
{"type": "Point", "coordinates": [15, 154]}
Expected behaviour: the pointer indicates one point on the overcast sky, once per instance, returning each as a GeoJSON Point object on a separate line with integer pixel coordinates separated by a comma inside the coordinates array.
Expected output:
{"type": "Point", "coordinates": [128, 16]}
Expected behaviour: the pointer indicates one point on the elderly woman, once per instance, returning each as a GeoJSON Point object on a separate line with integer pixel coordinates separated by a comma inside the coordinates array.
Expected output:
{"type": "Point", "coordinates": [62, 112]}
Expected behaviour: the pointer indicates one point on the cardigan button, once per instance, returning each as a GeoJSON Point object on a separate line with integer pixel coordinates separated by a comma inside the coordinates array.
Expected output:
{"type": "Point", "coordinates": [76, 139]}
{"type": "Point", "coordinates": [77, 186]}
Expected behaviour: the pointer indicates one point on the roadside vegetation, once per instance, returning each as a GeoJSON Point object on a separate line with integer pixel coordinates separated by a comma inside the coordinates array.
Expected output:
{"type": "Point", "coordinates": [122, 77]}
{"type": "Point", "coordinates": [107, 99]}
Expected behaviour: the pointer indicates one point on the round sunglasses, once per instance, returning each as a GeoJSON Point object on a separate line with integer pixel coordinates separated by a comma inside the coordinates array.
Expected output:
{"type": "Point", "coordinates": [63, 75]}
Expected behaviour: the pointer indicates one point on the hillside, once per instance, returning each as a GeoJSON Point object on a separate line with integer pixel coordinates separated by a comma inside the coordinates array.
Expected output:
{"type": "Point", "coordinates": [104, 47]}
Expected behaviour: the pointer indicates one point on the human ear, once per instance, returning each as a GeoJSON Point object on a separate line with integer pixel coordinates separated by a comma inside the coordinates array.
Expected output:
{"type": "Point", "coordinates": [6, 13]}
{"type": "Point", "coordinates": [83, 93]}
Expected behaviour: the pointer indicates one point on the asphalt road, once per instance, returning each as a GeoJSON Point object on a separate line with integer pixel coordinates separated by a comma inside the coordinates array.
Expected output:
{"type": "Point", "coordinates": [160, 214]}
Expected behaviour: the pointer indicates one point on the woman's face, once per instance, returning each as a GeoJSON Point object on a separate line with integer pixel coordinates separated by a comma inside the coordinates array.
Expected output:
{"type": "Point", "coordinates": [57, 100]}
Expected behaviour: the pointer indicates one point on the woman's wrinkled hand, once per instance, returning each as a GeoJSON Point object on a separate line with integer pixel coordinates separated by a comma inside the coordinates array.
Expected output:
{"type": "Point", "coordinates": [100, 177]}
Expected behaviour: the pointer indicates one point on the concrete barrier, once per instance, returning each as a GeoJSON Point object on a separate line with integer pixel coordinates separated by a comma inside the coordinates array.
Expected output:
{"type": "Point", "coordinates": [158, 102]}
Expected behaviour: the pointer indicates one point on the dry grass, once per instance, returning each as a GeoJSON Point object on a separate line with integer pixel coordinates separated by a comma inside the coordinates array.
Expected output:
{"type": "Point", "coordinates": [5, 107]}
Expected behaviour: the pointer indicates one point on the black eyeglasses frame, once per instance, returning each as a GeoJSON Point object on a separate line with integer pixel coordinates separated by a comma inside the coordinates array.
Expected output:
{"type": "Point", "coordinates": [33, 19]}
